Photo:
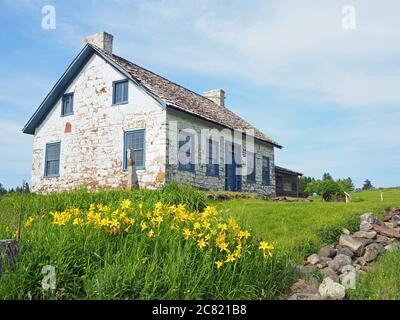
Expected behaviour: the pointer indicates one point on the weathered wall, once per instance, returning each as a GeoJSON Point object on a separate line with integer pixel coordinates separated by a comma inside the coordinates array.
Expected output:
{"type": "Point", "coordinates": [199, 177]}
{"type": "Point", "coordinates": [92, 152]}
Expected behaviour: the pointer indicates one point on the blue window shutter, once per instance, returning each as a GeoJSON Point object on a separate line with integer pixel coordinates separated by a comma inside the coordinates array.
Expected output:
{"type": "Point", "coordinates": [136, 141]}
{"type": "Point", "coordinates": [212, 168]}
{"type": "Point", "coordinates": [185, 138]}
{"type": "Point", "coordinates": [52, 159]}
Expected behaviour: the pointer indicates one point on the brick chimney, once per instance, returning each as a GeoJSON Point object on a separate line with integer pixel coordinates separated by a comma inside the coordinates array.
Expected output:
{"type": "Point", "coordinates": [216, 95]}
{"type": "Point", "coordinates": [102, 40]}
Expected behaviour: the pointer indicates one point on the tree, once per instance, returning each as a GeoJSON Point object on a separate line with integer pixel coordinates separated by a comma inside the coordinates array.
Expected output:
{"type": "Point", "coordinates": [367, 185]}
{"type": "Point", "coordinates": [327, 176]}
{"type": "Point", "coordinates": [328, 189]}
{"type": "Point", "coordinates": [3, 190]}
{"type": "Point", "coordinates": [346, 184]}
{"type": "Point", "coordinates": [303, 182]}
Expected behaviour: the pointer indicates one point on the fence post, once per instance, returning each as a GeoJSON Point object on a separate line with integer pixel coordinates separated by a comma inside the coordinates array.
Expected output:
{"type": "Point", "coordinates": [133, 182]}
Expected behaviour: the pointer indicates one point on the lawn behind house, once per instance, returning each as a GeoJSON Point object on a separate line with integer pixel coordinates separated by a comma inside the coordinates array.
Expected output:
{"type": "Point", "coordinates": [301, 227]}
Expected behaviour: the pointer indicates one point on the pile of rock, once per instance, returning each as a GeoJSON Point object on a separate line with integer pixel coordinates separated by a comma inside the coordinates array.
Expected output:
{"type": "Point", "coordinates": [343, 263]}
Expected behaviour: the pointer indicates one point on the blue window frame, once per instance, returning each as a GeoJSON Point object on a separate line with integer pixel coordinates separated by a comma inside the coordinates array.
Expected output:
{"type": "Point", "coordinates": [67, 105]}
{"type": "Point", "coordinates": [120, 92]}
{"type": "Point", "coordinates": [251, 161]}
{"type": "Point", "coordinates": [136, 141]}
{"type": "Point", "coordinates": [266, 178]}
{"type": "Point", "coordinates": [52, 160]}
{"type": "Point", "coordinates": [186, 152]}
{"type": "Point", "coordinates": [212, 158]}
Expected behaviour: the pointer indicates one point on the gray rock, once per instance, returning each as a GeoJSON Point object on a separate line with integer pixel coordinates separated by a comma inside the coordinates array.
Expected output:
{"type": "Point", "coordinates": [390, 225]}
{"type": "Point", "coordinates": [313, 259]}
{"type": "Point", "coordinates": [346, 231]}
{"type": "Point", "coordinates": [349, 279]}
{"type": "Point", "coordinates": [327, 251]}
{"type": "Point", "coordinates": [330, 289]}
{"type": "Point", "coordinates": [305, 271]}
{"type": "Point", "coordinates": [371, 252]}
{"type": "Point", "coordinates": [353, 244]}
{"type": "Point", "coordinates": [366, 226]}
{"type": "Point", "coordinates": [395, 246]}
{"type": "Point", "coordinates": [305, 296]}
{"type": "Point", "coordinates": [338, 262]}
{"type": "Point", "coordinates": [344, 250]}
{"type": "Point", "coordinates": [323, 262]}
{"type": "Point", "coordinates": [382, 239]}
{"type": "Point", "coordinates": [365, 234]}
{"type": "Point", "coordinates": [370, 218]}
{"type": "Point", "coordinates": [309, 286]}
{"type": "Point", "coordinates": [330, 273]}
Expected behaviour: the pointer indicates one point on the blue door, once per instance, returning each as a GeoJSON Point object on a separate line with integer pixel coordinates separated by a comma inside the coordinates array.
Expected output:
{"type": "Point", "coordinates": [233, 178]}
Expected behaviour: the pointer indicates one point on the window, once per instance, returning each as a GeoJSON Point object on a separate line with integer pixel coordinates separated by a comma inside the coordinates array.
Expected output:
{"type": "Point", "coordinates": [120, 92]}
{"type": "Point", "coordinates": [67, 107]}
{"type": "Point", "coordinates": [135, 141]}
{"type": "Point", "coordinates": [186, 151]}
{"type": "Point", "coordinates": [52, 160]}
{"type": "Point", "coordinates": [251, 162]}
{"type": "Point", "coordinates": [212, 158]}
{"type": "Point", "coordinates": [265, 171]}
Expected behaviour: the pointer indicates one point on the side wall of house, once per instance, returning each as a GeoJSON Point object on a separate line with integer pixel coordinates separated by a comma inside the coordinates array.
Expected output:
{"type": "Point", "coordinates": [92, 139]}
{"type": "Point", "coordinates": [180, 121]}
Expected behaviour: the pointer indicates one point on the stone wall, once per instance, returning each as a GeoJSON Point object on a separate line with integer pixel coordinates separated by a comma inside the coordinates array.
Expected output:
{"type": "Point", "coordinates": [92, 138]}
{"type": "Point", "coordinates": [199, 178]}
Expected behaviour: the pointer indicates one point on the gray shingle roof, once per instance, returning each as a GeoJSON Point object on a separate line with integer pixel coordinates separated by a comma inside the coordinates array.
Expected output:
{"type": "Point", "coordinates": [186, 100]}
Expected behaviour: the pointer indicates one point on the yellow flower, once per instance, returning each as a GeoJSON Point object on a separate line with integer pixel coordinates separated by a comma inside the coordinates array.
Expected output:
{"type": "Point", "coordinates": [186, 233]}
{"type": "Point", "coordinates": [151, 234]}
{"type": "Point", "coordinates": [140, 206]}
{"type": "Point", "coordinates": [196, 226]}
{"type": "Point", "coordinates": [15, 235]}
{"type": "Point", "coordinates": [29, 222]}
{"type": "Point", "coordinates": [230, 258]}
{"type": "Point", "coordinates": [125, 204]}
{"type": "Point", "coordinates": [265, 246]}
{"type": "Point", "coordinates": [143, 225]}
{"type": "Point", "coordinates": [218, 264]}
{"type": "Point", "coordinates": [206, 224]}
{"type": "Point", "coordinates": [114, 223]}
{"type": "Point", "coordinates": [78, 222]}
{"type": "Point", "coordinates": [222, 226]}
{"type": "Point", "coordinates": [201, 243]}
{"type": "Point", "coordinates": [223, 246]}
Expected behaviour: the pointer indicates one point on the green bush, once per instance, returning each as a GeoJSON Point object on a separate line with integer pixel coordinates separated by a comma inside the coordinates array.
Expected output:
{"type": "Point", "coordinates": [327, 189]}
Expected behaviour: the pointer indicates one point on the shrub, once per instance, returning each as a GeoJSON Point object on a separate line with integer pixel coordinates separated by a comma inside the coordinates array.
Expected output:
{"type": "Point", "coordinates": [328, 189]}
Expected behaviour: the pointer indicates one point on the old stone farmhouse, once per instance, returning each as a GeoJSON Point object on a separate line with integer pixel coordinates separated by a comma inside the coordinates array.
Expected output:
{"type": "Point", "coordinates": [104, 109]}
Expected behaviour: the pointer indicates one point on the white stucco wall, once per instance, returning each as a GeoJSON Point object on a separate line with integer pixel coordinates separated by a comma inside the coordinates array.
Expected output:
{"type": "Point", "coordinates": [92, 153]}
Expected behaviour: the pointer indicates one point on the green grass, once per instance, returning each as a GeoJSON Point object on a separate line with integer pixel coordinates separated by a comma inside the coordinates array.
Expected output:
{"type": "Point", "coordinates": [302, 227]}
{"type": "Point", "coordinates": [382, 282]}
{"type": "Point", "coordinates": [93, 265]}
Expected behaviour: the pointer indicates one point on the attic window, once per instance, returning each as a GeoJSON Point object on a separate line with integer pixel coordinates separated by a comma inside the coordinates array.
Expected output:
{"type": "Point", "coordinates": [120, 92]}
{"type": "Point", "coordinates": [67, 107]}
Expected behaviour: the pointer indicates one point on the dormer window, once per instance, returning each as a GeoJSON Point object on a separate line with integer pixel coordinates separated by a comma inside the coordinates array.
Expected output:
{"type": "Point", "coordinates": [120, 92]}
{"type": "Point", "coordinates": [67, 107]}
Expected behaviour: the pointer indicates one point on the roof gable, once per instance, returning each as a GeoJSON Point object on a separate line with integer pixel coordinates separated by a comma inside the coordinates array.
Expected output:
{"type": "Point", "coordinates": [165, 92]}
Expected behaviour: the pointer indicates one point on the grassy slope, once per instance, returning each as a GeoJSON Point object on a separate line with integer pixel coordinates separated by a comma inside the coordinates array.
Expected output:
{"type": "Point", "coordinates": [301, 227]}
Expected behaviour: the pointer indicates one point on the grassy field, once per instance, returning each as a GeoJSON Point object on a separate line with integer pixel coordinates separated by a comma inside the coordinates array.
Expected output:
{"type": "Point", "coordinates": [94, 264]}
{"type": "Point", "coordinates": [301, 227]}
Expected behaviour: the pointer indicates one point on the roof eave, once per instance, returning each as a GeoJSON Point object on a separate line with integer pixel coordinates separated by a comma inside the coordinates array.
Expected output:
{"type": "Point", "coordinates": [55, 92]}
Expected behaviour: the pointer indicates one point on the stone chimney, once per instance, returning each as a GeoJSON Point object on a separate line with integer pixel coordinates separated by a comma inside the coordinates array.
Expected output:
{"type": "Point", "coordinates": [102, 40]}
{"type": "Point", "coordinates": [216, 95]}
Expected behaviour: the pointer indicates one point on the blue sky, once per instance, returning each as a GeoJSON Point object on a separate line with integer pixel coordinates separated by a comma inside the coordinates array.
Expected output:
{"type": "Point", "coordinates": [330, 96]}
